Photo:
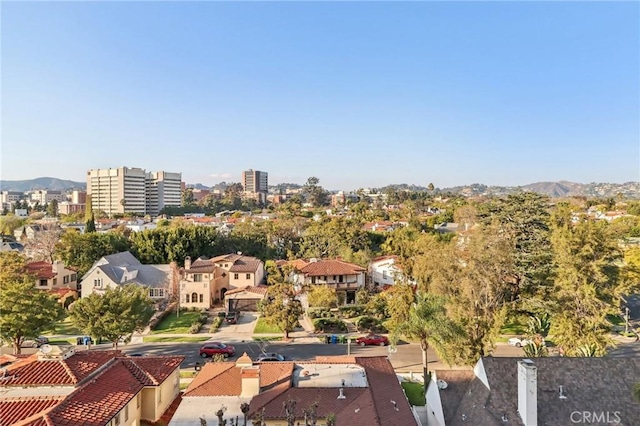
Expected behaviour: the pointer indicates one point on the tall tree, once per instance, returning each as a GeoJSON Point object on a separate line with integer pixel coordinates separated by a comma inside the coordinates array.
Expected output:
{"type": "Point", "coordinates": [52, 208]}
{"type": "Point", "coordinates": [282, 308]}
{"type": "Point", "coordinates": [91, 224]}
{"type": "Point", "coordinates": [315, 193]}
{"type": "Point", "coordinates": [25, 311]}
{"type": "Point", "coordinates": [115, 314]}
{"type": "Point", "coordinates": [80, 251]}
{"type": "Point", "coordinates": [588, 286]}
{"type": "Point", "coordinates": [428, 322]}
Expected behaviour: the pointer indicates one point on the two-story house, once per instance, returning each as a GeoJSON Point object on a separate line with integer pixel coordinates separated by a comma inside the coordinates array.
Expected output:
{"type": "Point", "coordinates": [56, 279]}
{"type": "Point", "coordinates": [59, 386]}
{"type": "Point", "coordinates": [123, 268]}
{"type": "Point", "coordinates": [344, 277]}
{"type": "Point", "coordinates": [385, 271]}
{"type": "Point", "coordinates": [204, 282]}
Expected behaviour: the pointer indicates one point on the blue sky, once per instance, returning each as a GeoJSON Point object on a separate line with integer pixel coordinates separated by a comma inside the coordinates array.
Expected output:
{"type": "Point", "coordinates": [359, 94]}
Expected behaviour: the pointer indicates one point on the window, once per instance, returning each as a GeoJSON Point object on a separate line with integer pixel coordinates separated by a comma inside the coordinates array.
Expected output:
{"type": "Point", "coordinates": [334, 278]}
{"type": "Point", "coordinates": [235, 276]}
{"type": "Point", "coordinates": [248, 276]}
{"type": "Point", "coordinates": [340, 278]}
{"type": "Point", "coordinates": [116, 419]}
{"type": "Point", "coordinates": [43, 283]}
{"type": "Point", "coordinates": [324, 278]}
{"type": "Point", "coordinates": [159, 395]}
{"type": "Point", "coordinates": [313, 280]}
{"type": "Point", "coordinates": [156, 292]}
{"type": "Point", "coordinates": [126, 413]}
{"type": "Point", "coordinates": [194, 297]}
{"type": "Point", "coordinates": [384, 275]}
{"type": "Point", "coordinates": [55, 282]}
{"type": "Point", "coordinates": [186, 298]}
{"type": "Point", "coordinates": [197, 278]}
{"type": "Point", "coordinates": [201, 298]}
{"type": "Point", "coordinates": [138, 398]}
{"type": "Point", "coordinates": [74, 277]}
{"type": "Point", "coordinates": [65, 279]}
{"type": "Point", "coordinates": [97, 283]}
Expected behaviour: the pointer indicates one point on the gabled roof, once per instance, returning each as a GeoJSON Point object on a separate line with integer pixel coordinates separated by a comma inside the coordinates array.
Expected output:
{"type": "Point", "coordinates": [589, 384]}
{"type": "Point", "coordinates": [224, 378]}
{"type": "Point", "coordinates": [70, 371]}
{"type": "Point", "coordinates": [246, 264]}
{"type": "Point", "coordinates": [124, 258]}
{"type": "Point", "coordinates": [239, 263]}
{"type": "Point", "coordinates": [330, 267]}
{"type": "Point", "coordinates": [97, 401]}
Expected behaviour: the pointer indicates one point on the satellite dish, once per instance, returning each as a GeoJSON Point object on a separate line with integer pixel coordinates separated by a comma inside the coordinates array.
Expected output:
{"type": "Point", "coordinates": [442, 384]}
{"type": "Point", "coordinates": [45, 349]}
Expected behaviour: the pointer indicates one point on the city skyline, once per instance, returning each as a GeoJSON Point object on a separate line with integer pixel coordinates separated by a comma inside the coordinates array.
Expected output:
{"type": "Point", "coordinates": [356, 94]}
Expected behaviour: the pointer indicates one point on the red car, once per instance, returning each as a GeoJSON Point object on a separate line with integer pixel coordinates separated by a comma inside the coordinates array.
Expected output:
{"type": "Point", "coordinates": [372, 339]}
{"type": "Point", "coordinates": [214, 348]}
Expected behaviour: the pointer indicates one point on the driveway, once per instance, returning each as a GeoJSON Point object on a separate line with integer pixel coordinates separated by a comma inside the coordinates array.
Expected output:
{"type": "Point", "coordinates": [239, 332]}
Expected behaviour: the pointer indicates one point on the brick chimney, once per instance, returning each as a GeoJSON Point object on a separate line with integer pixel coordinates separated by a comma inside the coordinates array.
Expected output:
{"type": "Point", "coordinates": [528, 392]}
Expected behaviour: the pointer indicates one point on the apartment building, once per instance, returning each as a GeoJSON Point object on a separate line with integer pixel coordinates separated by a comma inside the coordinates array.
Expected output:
{"type": "Point", "coordinates": [44, 197]}
{"type": "Point", "coordinates": [133, 190]}
{"type": "Point", "coordinates": [256, 185]}
{"type": "Point", "coordinates": [9, 198]}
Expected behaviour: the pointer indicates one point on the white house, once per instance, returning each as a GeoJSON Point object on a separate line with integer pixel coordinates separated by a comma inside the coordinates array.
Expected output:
{"type": "Point", "coordinates": [123, 268]}
{"type": "Point", "coordinates": [385, 271]}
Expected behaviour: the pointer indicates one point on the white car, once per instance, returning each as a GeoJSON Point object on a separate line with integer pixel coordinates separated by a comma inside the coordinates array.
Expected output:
{"type": "Point", "coordinates": [519, 342]}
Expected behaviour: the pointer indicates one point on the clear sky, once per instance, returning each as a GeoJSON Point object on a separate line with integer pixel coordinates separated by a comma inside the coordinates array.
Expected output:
{"type": "Point", "coordinates": [359, 94]}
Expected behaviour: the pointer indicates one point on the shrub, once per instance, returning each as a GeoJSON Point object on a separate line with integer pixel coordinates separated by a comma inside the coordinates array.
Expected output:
{"type": "Point", "coordinates": [351, 311]}
{"type": "Point", "coordinates": [321, 296]}
{"type": "Point", "coordinates": [323, 325]}
{"type": "Point", "coordinates": [319, 313]}
{"type": "Point", "coordinates": [203, 318]}
{"type": "Point", "coordinates": [371, 324]}
{"type": "Point", "coordinates": [215, 324]}
{"type": "Point", "coordinates": [157, 319]}
{"type": "Point", "coordinates": [195, 328]}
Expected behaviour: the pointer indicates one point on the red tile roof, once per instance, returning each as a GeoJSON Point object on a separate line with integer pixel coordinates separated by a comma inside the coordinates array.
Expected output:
{"type": "Point", "coordinates": [42, 270]}
{"type": "Point", "coordinates": [14, 410]}
{"type": "Point", "coordinates": [246, 264]}
{"type": "Point", "coordinates": [261, 289]}
{"type": "Point", "coordinates": [331, 267]}
{"type": "Point", "coordinates": [70, 371]}
{"type": "Point", "coordinates": [224, 378]}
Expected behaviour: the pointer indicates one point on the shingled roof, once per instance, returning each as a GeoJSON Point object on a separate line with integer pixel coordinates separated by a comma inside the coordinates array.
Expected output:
{"type": "Point", "coordinates": [595, 385]}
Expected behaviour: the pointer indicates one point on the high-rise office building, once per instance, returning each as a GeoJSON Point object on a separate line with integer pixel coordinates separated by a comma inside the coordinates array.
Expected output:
{"type": "Point", "coordinates": [132, 190]}
{"type": "Point", "coordinates": [255, 181]}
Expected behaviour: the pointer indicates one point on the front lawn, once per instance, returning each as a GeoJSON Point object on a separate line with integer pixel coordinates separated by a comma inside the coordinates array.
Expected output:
{"type": "Point", "coordinates": [65, 328]}
{"type": "Point", "coordinates": [172, 324]}
{"type": "Point", "coordinates": [265, 327]}
{"type": "Point", "coordinates": [415, 392]}
{"type": "Point", "coordinates": [515, 325]}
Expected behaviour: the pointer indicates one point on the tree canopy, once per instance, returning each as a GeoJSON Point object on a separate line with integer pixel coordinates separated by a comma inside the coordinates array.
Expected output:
{"type": "Point", "coordinates": [114, 314]}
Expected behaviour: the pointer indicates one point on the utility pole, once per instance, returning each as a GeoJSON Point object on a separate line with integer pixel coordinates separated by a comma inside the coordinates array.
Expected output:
{"type": "Point", "coordinates": [626, 320]}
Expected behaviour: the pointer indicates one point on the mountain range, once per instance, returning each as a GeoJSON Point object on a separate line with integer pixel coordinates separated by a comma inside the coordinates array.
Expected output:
{"type": "Point", "coordinates": [628, 190]}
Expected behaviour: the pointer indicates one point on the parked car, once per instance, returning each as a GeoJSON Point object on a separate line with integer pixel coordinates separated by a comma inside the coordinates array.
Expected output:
{"type": "Point", "coordinates": [213, 348]}
{"type": "Point", "coordinates": [231, 318]}
{"type": "Point", "coordinates": [35, 343]}
{"type": "Point", "coordinates": [372, 339]}
{"type": "Point", "coordinates": [270, 357]}
{"type": "Point", "coordinates": [519, 342]}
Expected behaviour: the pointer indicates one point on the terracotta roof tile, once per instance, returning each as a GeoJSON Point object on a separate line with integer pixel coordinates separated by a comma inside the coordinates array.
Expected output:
{"type": "Point", "coordinates": [224, 378]}
{"type": "Point", "coordinates": [385, 387]}
{"type": "Point", "coordinates": [261, 289]}
{"type": "Point", "coordinates": [156, 368]}
{"type": "Point", "coordinates": [331, 267]}
{"type": "Point", "coordinates": [13, 410]}
{"type": "Point", "coordinates": [41, 269]}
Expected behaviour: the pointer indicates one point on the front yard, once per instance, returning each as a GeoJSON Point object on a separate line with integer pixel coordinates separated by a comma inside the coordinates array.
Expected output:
{"type": "Point", "coordinates": [265, 327]}
{"type": "Point", "coordinates": [173, 324]}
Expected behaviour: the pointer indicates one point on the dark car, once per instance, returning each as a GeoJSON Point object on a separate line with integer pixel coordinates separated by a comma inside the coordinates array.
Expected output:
{"type": "Point", "coordinates": [231, 318]}
{"type": "Point", "coordinates": [214, 348]}
{"type": "Point", "coordinates": [270, 357]}
{"type": "Point", "coordinates": [372, 339]}
{"type": "Point", "coordinates": [35, 343]}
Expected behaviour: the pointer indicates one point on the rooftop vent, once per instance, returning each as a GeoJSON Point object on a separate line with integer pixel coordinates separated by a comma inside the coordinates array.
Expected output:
{"type": "Point", "coordinates": [341, 394]}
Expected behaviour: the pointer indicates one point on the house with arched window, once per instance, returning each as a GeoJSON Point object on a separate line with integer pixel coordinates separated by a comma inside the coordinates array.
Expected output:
{"type": "Point", "coordinates": [204, 282]}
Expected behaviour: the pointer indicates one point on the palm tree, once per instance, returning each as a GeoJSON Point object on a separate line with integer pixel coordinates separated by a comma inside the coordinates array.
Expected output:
{"type": "Point", "coordinates": [428, 322]}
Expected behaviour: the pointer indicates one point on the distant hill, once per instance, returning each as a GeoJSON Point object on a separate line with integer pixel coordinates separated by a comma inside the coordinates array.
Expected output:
{"type": "Point", "coordinates": [49, 183]}
{"type": "Point", "coordinates": [629, 190]}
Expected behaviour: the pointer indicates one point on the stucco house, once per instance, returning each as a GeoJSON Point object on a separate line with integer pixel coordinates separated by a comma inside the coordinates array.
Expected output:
{"type": "Point", "coordinates": [385, 271]}
{"type": "Point", "coordinates": [204, 282]}
{"type": "Point", "coordinates": [344, 277]}
{"type": "Point", "coordinates": [54, 275]}
{"type": "Point", "coordinates": [59, 386]}
{"type": "Point", "coordinates": [123, 268]}
{"type": "Point", "coordinates": [353, 390]}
